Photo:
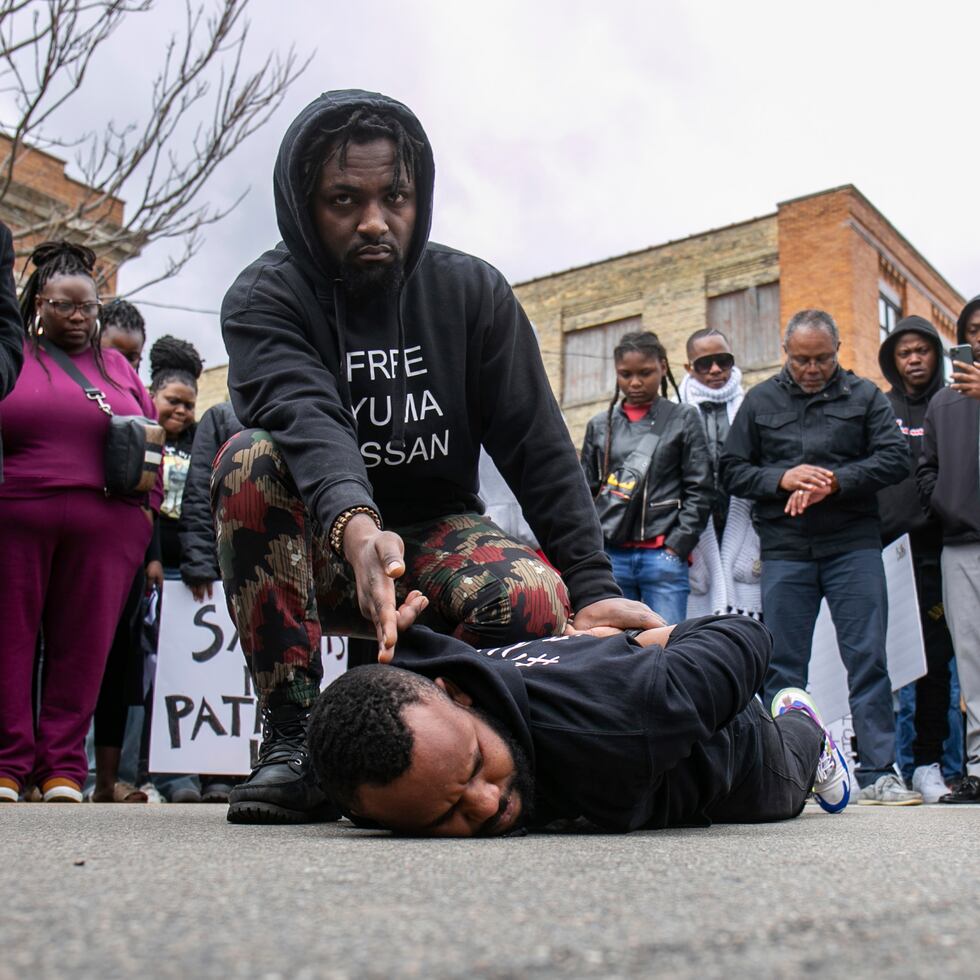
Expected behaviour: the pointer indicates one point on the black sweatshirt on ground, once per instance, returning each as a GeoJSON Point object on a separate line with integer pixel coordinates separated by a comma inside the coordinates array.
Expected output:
{"type": "Point", "coordinates": [386, 403]}
{"type": "Point", "coordinates": [627, 737]}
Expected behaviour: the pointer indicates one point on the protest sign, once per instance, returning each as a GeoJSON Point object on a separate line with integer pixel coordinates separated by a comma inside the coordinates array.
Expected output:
{"type": "Point", "coordinates": [903, 643]}
{"type": "Point", "coordinates": [204, 717]}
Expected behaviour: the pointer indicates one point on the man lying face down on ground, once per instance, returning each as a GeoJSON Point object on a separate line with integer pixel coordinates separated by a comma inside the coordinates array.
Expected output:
{"type": "Point", "coordinates": [626, 732]}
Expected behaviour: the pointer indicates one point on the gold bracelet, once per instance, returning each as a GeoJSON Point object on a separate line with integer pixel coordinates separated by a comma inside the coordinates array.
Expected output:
{"type": "Point", "coordinates": [336, 537]}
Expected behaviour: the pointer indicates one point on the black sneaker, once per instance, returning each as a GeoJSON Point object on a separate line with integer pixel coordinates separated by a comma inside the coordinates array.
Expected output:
{"type": "Point", "coordinates": [967, 791]}
{"type": "Point", "coordinates": [282, 787]}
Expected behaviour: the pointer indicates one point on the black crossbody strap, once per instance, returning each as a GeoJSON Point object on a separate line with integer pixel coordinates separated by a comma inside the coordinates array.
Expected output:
{"type": "Point", "coordinates": [67, 365]}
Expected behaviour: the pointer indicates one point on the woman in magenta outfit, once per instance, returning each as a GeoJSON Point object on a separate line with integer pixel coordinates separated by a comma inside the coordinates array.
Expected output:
{"type": "Point", "coordinates": [67, 551]}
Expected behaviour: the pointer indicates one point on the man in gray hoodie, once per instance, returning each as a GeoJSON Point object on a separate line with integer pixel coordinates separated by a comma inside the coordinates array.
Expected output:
{"type": "Point", "coordinates": [948, 476]}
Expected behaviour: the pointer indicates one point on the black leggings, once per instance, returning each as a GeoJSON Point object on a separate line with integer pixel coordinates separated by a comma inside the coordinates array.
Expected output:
{"type": "Point", "coordinates": [114, 696]}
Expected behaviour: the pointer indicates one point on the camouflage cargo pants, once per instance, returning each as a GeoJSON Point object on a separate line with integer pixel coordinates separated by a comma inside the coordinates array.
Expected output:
{"type": "Point", "coordinates": [285, 586]}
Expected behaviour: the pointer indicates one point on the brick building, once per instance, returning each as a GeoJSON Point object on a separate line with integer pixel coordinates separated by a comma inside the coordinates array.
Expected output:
{"type": "Point", "coordinates": [40, 189]}
{"type": "Point", "coordinates": [832, 250]}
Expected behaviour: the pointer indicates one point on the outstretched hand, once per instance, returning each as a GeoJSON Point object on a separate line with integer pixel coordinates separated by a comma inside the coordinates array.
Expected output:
{"type": "Point", "coordinates": [622, 614]}
{"type": "Point", "coordinates": [377, 558]}
{"type": "Point", "coordinates": [406, 614]}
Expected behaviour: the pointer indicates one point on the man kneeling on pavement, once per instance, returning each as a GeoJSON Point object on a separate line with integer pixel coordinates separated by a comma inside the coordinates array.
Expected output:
{"type": "Point", "coordinates": [620, 731]}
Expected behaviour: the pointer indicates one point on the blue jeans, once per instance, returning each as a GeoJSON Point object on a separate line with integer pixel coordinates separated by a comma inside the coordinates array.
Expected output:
{"type": "Point", "coordinates": [854, 586]}
{"type": "Point", "coordinates": [654, 576]}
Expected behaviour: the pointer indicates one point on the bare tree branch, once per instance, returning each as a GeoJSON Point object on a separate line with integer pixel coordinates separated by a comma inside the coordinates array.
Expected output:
{"type": "Point", "coordinates": [203, 104]}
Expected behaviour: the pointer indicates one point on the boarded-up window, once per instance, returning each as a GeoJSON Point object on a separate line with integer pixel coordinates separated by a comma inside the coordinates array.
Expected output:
{"type": "Point", "coordinates": [750, 320]}
{"type": "Point", "coordinates": [587, 362]}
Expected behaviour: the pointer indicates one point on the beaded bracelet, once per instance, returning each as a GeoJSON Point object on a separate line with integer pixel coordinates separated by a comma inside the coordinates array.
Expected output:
{"type": "Point", "coordinates": [336, 537]}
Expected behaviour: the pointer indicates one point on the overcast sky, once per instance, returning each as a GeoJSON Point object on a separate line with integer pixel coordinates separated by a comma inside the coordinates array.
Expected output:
{"type": "Point", "coordinates": [566, 132]}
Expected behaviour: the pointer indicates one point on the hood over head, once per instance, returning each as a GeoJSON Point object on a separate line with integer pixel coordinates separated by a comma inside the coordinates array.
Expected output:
{"type": "Point", "coordinates": [296, 225]}
{"type": "Point", "coordinates": [965, 315]}
{"type": "Point", "coordinates": [886, 353]}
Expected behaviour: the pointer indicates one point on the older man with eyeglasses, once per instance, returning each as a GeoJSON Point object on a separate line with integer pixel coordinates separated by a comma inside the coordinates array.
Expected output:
{"type": "Point", "coordinates": [812, 446]}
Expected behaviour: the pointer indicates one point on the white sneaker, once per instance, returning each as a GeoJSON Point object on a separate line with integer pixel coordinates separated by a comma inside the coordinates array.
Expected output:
{"type": "Point", "coordinates": [153, 795]}
{"type": "Point", "coordinates": [889, 790]}
{"type": "Point", "coordinates": [928, 780]}
{"type": "Point", "coordinates": [832, 782]}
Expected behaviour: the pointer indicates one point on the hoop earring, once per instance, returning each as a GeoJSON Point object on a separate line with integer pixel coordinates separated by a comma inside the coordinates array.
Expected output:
{"type": "Point", "coordinates": [38, 327]}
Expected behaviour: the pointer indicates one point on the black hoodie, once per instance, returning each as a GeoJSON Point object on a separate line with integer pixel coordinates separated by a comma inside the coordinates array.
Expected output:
{"type": "Point", "coordinates": [11, 325]}
{"type": "Point", "coordinates": [625, 736]}
{"type": "Point", "coordinates": [898, 505]}
{"type": "Point", "coordinates": [403, 439]}
{"type": "Point", "coordinates": [948, 474]}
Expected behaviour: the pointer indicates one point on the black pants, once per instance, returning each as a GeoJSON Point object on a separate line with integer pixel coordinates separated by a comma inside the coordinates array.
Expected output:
{"type": "Point", "coordinates": [932, 689]}
{"type": "Point", "coordinates": [777, 784]}
{"type": "Point", "coordinates": [115, 695]}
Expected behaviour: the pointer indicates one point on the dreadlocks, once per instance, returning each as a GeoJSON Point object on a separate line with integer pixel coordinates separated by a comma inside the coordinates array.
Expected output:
{"type": "Point", "coordinates": [363, 125]}
{"type": "Point", "coordinates": [647, 344]}
{"type": "Point", "coordinates": [173, 359]}
{"type": "Point", "coordinates": [53, 259]}
{"type": "Point", "coordinates": [123, 316]}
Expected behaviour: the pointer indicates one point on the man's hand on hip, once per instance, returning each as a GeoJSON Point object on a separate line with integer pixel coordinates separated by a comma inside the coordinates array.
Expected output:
{"type": "Point", "coordinates": [377, 558]}
{"type": "Point", "coordinates": [624, 614]}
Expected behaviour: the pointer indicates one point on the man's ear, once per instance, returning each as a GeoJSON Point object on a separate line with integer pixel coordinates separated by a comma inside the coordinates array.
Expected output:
{"type": "Point", "coordinates": [453, 691]}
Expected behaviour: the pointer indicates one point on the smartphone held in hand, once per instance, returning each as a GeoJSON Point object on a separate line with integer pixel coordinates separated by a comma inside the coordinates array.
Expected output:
{"type": "Point", "coordinates": [962, 353]}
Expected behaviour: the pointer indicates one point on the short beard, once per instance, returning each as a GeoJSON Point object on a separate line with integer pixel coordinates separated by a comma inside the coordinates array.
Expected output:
{"type": "Point", "coordinates": [361, 282]}
{"type": "Point", "coordinates": [523, 782]}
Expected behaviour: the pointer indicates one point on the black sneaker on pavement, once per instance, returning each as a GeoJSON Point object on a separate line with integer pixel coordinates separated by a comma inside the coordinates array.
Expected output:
{"type": "Point", "coordinates": [968, 791]}
{"type": "Point", "coordinates": [282, 787]}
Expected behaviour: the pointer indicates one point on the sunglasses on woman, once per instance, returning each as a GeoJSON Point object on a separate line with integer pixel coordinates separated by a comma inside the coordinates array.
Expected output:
{"type": "Point", "coordinates": [703, 364]}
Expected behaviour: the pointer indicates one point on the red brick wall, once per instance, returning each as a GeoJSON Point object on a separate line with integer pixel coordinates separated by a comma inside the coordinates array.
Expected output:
{"type": "Point", "coordinates": [44, 174]}
{"type": "Point", "coordinates": [834, 248]}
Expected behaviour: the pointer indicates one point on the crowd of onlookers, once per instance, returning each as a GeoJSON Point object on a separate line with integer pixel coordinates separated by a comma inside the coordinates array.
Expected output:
{"type": "Point", "coordinates": [766, 503]}
{"type": "Point", "coordinates": [711, 500]}
{"type": "Point", "coordinates": [82, 569]}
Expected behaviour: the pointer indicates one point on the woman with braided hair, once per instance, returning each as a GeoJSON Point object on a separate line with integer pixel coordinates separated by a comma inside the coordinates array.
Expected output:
{"type": "Point", "coordinates": [646, 463]}
{"type": "Point", "coordinates": [68, 551]}
{"type": "Point", "coordinates": [175, 366]}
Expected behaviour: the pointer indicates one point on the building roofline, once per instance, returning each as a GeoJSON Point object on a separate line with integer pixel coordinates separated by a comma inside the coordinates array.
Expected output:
{"type": "Point", "coordinates": [852, 189]}
{"type": "Point", "coordinates": [64, 168]}
{"type": "Point", "coordinates": [647, 248]}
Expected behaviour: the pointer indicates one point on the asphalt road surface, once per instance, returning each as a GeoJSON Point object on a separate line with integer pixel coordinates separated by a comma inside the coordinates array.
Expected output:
{"type": "Point", "coordinates": [175, 891]}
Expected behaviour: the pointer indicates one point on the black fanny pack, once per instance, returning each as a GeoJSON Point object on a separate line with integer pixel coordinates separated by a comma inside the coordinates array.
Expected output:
{"type": "Point", "coordinates": [620, 499]}
{"type": "Point", "coordinates": [133, 445]}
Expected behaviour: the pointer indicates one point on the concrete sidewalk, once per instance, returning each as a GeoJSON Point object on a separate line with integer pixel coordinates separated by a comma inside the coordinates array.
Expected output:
{"type": "Point", "coordinates": [175, 891]}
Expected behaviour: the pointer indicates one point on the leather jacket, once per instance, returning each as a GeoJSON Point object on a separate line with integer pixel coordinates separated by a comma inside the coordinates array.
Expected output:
{"type": "Point", "coordinates": [678, 488]}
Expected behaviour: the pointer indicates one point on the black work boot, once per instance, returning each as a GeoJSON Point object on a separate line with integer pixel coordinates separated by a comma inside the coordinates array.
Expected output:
{"type": "Point", "coordinates": [282, 787]}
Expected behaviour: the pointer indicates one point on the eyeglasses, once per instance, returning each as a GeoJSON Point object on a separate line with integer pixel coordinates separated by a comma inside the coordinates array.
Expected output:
{"type": "Point", "coordinates": [703, 364]}
{"type": "Point", "coordinates": [65, 307]}
{"type": "Point", "coordinates": [821, 360]}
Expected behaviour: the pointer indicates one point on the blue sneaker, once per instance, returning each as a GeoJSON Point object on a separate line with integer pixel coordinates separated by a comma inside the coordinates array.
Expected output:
{"type": "Point", "coordinates": [832, 784]}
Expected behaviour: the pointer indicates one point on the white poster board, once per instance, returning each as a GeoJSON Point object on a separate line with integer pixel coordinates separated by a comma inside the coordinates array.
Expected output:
{"type": "Point", "coordinates": [204, 717]}
{"type": "Point", "coordinates": [903, 643]}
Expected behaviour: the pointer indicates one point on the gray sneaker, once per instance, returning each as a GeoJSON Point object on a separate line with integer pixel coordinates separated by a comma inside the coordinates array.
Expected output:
{"type": "Point", "coordinates": [889, 790]}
